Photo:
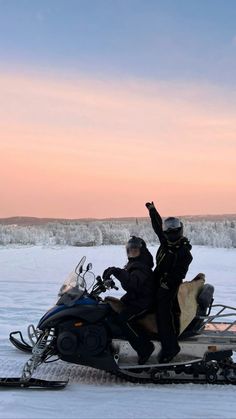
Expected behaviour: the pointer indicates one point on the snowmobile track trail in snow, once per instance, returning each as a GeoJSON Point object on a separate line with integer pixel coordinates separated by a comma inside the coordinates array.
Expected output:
{"type": "Point", "coordinates": [60, 371]}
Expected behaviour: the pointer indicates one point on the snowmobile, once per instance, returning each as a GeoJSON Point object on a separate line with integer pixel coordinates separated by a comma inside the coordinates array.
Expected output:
{"type": "Point", "coordinates": [81, 329]}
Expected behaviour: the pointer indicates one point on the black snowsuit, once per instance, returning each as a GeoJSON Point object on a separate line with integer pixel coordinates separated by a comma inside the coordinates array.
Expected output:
{"type": "Point", "coordinates": [138, 282]}
{"type": "Point", "coordinates": [172, 263]}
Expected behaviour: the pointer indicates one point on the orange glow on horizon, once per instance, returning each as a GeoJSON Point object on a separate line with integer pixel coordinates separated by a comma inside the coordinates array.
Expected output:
{"type": "Point", "coordinates": [89, 148]}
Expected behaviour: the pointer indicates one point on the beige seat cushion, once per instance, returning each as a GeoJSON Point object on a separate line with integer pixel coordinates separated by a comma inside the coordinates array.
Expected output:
{"type": "Point", "coordinates": [187, 299]}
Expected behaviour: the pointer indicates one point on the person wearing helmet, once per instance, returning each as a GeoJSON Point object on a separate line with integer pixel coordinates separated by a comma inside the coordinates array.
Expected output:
{"type": "Point", "coordinates": [137, 280]}
{"type": "Point", "coordinates": [172, 262]}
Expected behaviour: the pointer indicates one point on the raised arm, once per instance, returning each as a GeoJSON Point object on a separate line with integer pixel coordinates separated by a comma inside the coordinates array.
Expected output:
{"type": "Point", "coordinates": [156, 220]}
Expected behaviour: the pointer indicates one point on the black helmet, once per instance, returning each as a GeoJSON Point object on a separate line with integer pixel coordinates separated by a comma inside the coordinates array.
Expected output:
{"type": "Point", "coordinates": [135, 243]}
{"type": "Point", "coordinates": [173, 229]}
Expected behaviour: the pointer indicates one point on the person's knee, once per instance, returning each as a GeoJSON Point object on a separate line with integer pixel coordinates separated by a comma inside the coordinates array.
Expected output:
{"type": "Point", "coordinates": [123, 317]}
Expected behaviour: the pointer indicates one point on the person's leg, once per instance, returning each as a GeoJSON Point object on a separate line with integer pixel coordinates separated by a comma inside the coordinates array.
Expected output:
{"type": "Point", "coordinates": [141, 345]}
{"type": "Point", "coordinates": [166, 322]}
{"type": "Point", "coordinates": [176, 314]}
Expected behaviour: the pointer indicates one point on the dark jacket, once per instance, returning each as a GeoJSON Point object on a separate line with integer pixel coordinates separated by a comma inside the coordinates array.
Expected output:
{"type": "Point", "coordinates": [172, 259]}
{"type": "Point", "coordinates": [137, 280]}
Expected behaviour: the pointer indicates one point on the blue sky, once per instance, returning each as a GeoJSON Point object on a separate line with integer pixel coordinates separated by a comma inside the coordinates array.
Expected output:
{"type": "Point", "coordinates": [151, 39]}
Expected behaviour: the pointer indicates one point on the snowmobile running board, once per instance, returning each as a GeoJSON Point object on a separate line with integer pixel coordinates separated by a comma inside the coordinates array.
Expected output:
{"type": "Point", "coordinates": [170, 364]}
{"type": "Point", "coordinates": [33, 383]}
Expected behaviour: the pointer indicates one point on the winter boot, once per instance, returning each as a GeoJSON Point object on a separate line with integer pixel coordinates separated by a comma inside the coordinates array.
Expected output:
{"type": "Point", "coordinates": [166, 357]}
{"type": "Point", "coordinates": [143, 358]}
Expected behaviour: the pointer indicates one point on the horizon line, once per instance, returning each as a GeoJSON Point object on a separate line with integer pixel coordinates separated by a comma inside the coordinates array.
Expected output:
{"type": "Point", "coordinates": [113, 218]}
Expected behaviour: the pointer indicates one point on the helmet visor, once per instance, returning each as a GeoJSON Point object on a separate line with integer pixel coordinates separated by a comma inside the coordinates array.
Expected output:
{"type": "Point", "coordinates": [171, 223]}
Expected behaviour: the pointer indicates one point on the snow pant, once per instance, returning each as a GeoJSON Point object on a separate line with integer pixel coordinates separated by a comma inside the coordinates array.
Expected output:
{"type": "Point", "coordinates": [167, 319]}
{"type": "Point", "coordinates": [140, 344]}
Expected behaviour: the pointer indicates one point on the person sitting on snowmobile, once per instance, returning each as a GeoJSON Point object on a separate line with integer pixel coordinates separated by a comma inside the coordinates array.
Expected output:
{"type": "Point", "coordinates": [137, 280]}
{"type": "Point", "coordinates": [172, 262]}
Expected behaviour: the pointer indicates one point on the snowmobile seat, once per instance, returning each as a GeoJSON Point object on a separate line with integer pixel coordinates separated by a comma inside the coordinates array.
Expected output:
{"type": "Point", "coordinates": [115, 304]}
{"type": "Point", "coordinates": [204, 300]}
{"type": "Point", "coordinates": [187, 299]}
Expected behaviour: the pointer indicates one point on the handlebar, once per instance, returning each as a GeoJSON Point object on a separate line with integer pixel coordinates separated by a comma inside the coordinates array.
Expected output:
{"type": "Point", "coordinates": [103, 285]}
{"type": "Point", "coordinates": [109, 283]}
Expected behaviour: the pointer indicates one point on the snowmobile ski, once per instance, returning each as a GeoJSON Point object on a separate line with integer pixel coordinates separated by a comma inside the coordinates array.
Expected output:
{"type": "Point", "coordinates": [33, 383]}
{"type": "Point", "coordinates": [20, 343]}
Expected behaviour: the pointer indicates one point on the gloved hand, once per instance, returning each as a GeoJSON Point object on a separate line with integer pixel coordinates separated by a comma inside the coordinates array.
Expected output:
{"type": "Point", "coordinates": [110, 271]}
{"type": "Point", "coordinates": [109, 283]}
{"type": "Point", "coordinates": [150, 205]}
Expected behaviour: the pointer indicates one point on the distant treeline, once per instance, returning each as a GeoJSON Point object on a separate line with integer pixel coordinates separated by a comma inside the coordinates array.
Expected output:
{"type": "Point", "coordinates": [205, 232]}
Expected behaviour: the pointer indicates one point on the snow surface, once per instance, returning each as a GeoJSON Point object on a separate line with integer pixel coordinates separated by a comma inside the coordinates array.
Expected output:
{"type": "Point", "coordinates": [30, 279]}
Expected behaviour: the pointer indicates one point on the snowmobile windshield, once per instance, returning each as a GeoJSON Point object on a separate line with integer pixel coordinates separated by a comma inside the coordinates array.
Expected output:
{"type": "Point", "coordinates": [77, 281]}
{"type": "Point", "coordinates": [73, 285]}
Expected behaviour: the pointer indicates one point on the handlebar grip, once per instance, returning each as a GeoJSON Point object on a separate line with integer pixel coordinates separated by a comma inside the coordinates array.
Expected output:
{"type": "Point", "coordinates": [109, 283]}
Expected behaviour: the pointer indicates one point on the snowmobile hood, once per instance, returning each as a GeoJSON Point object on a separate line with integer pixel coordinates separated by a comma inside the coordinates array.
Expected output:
{"type": "Point", "coordinates": [62, 307]}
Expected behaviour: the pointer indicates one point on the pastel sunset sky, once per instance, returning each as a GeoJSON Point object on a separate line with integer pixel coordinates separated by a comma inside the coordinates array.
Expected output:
{"type": "Point", "coordinates": [106, 104]}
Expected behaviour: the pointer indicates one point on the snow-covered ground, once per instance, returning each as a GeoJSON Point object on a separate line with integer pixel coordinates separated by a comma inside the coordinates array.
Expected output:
{"type": "Point", "coordinates": [30, 278]}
